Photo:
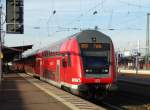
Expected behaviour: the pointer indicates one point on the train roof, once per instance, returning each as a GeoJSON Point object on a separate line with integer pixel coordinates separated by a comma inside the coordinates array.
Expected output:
{"type": "Point", "coordinates": [81, 36]}
{"type": "Point", "coordinates": [86, 35]}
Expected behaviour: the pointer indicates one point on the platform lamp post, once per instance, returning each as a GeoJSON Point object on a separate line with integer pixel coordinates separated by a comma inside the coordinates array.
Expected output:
{"type": "Point", "coordinates": [147, 42]}
{"type": "Point", "coordinates": [0, 45]}
{"type": "Point", "coordinates": [137, 56]}
{"type": "Point", "coordinates": [137, 63]}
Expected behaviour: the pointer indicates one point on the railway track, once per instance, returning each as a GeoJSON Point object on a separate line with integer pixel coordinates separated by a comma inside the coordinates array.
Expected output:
{"type": "Point", "coordinates": [121, 101]}
{"type": "Point", "coordinates": [134, 87]}
{"type": "Point", "coordinates": [128, 101]}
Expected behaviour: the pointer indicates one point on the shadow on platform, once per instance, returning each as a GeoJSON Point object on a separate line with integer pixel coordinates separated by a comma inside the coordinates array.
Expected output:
{"type": "Point", "coordinates": [16, 93]}
{"type": "Point", "coordinates": [10, 97]}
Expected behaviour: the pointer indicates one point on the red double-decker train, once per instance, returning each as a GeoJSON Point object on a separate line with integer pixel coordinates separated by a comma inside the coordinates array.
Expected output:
{"type": "Point", "coordinates": [83, 63]}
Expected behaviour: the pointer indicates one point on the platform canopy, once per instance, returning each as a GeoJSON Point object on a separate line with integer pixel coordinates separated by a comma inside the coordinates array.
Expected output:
{"type": "Point", "coordinates": [11, 53]}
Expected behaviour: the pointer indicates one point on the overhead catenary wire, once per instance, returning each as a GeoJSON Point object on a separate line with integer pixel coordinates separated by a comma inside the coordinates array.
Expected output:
{"type": "Point", "coordinates": [89, 10]}
{"type": "Point", "coordinates": [93, 10]}
{"type": "Point", "coordinates": [111, 14]}
{"type": "Point", "coordinates": [132, 4]}
{"type": "Point", "coordinates": [79, 17]}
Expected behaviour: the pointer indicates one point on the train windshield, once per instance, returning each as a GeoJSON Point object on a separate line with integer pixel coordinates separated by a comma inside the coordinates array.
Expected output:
{"type": "Point", "coordinates": [95, 61]}
{"type": "Point", "coordinates": [96, 66]}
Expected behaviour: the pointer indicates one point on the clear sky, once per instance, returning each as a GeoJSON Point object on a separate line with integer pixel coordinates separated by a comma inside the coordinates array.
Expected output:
{"type": "Point", "coordinates": [42, 26]}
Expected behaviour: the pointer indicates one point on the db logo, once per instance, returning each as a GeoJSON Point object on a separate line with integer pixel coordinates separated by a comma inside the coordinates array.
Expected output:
{"type": "Point", "coordinates": [97, 80]}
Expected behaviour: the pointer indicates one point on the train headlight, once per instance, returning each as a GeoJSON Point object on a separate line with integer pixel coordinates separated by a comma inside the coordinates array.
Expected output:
{"type": "Point", "coordinates": [106, 70]}
{"type": "Point", "coordinates": [86, 70]}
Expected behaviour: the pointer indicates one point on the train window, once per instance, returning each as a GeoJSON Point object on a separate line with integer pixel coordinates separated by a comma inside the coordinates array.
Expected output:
{"type": "Point", "coordinates": [64, 63]}
{"type": "Point", "coordinates": [69, 59]}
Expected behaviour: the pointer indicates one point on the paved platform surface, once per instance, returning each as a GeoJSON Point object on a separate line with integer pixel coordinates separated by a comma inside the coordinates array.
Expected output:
{"type": "Point", "coordinates": [18, 94]}
{"type": "Point", "coordinates": [134, 83]}
{"type": "Point", "coordinates": [135, 78]}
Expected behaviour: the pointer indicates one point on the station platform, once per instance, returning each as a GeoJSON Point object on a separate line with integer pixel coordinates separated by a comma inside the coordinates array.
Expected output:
{"type": "Point", "coordinates": [141, 77]}
{"type": "Point", "coordinates": [136, 83]}
{"type": "Point", "coordinates": [129, 71]}
{"type": "Point", "coordinates": [16, 93]}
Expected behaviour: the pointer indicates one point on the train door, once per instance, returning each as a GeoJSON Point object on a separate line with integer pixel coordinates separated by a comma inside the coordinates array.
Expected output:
{"type": "Point", "coordinates": [58, 70]}
{"type": "Point", "coordinates": [39, 66]}
{"type": "Point", "coordinates": [65, 68]}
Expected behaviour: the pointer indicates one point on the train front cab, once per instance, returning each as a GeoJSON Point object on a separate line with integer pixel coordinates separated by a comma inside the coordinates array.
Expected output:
{"type": "Point", "coordinates": [97, 63]}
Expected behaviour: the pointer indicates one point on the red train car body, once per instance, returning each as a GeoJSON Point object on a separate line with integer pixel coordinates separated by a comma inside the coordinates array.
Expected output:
{"type": "Point", "coordinates": [82, 63]}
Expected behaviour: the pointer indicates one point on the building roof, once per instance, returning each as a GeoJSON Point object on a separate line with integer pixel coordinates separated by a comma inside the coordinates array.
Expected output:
{"type": "Point", "coordinates": [11, 53]}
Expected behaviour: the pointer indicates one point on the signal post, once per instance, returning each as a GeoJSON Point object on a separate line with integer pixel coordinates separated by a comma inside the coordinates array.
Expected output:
{"type": "Point", "coordinates": [14, 16]}
{"type": "Point", "coordinates": [1, 72]}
